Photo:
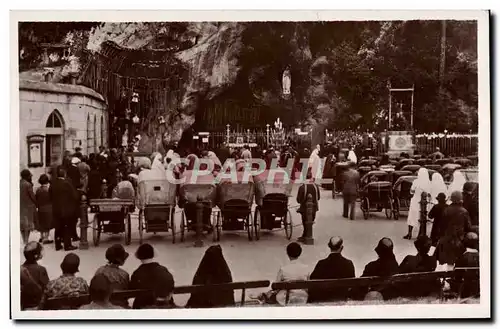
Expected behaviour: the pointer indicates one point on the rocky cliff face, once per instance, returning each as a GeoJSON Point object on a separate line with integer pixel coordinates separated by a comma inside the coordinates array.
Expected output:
{"type": "Point", "coordinates": [339, 71]}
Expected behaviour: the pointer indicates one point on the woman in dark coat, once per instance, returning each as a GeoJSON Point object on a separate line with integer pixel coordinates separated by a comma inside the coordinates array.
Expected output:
{"type": "Point", "coordinates": [44, 205]}
{"type": "Point", "coordinates": [27, 205]}
{"type": "Point", "coordinates": [154, 278]}
{"type": "Point", "coordinates": [213, 269]}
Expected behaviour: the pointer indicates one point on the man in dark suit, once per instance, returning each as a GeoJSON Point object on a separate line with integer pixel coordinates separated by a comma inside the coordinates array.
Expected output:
{"type": "Point", "coordinates": [335, 266]}
{"type": "Point", "coordinates": [351, 180]}
{"type": "Point", "coordinates": [64, 206]}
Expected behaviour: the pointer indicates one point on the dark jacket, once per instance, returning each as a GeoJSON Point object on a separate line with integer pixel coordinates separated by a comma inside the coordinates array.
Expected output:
{"type": "Point", "coordinates": [302, 197]}
{"type": "Point", "coordinates": [415, 264]}
{"type": "Point", "coordinates": [439, 224]}
{"type": "Point", "coordinates": [450, 246]}
{"type": "Point", "coordinates": [34, 279]}
{"type": "Point", "coordinates": [350, 182]}
{"type": "Point", "coordinates": [64, 199]}
{"type": "Point", "coordinates": [153, 277]}
{"type": "Point", "coordinates": [335, 266]}
{"type": "Point", "coordinates": [470, 286]}
{"type": "Point", "coordinates": [74, 176]}
{"type": "Point", "coordinates": [386, 266]}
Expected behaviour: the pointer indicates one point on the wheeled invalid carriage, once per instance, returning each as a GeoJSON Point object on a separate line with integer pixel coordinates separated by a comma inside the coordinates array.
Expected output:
{"type": "Point", "coordinates": [377, 196]}
{"type": "Point", "coordinates": [235, 202]}
{"type": "Point", "coordinates": [189, 194]}
{"type": "Point", "coordinates": [112, 216]}
{"type": "Point", "coordinates": [402, 194]}
{"type": "Point", "coordinates": [156, 201]}
{"type": "Point", "coordinates": [271, 197]}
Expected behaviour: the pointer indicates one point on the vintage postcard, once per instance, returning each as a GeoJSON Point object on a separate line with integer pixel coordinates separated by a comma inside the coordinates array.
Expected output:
{"type": "Point", "coordinates": [250, 165]}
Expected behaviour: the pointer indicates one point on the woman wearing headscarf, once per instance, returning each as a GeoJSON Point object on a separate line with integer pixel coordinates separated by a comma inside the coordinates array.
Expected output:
{"type": "Point", "coordinates": [352, 156]}
{"type": "Point", "coordinates": [437, 186]}
{"type": "Point", "coordinates": [213, 269]}
{"type": "Point", "coordinates": [314, 161]}
{"type": "Point", "coordinates": [420, 185]}
{"type": "Point", "coordinates": [457, 184]}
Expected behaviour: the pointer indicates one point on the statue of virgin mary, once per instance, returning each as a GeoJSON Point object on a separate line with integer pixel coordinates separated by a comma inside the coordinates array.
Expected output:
{"type": "Point", "coordinates": [287, 81]}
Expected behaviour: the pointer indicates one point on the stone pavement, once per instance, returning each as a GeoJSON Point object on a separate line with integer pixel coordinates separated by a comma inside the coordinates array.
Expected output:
{"type": "Point", "coordinates": [251, 260]}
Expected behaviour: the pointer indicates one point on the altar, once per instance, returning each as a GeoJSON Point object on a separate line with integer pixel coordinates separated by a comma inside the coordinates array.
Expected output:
{"type": "Point", "coordinates": [400, 141]}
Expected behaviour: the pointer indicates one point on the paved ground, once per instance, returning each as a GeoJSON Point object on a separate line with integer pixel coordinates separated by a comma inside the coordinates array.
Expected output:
{"type": "Point", "coordinates": [257, 259]}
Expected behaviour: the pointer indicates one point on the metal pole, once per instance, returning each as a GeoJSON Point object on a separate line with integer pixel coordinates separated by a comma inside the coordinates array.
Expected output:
{"type": "Point", "coordinates": [84, 222]}
{"type": "Point", "coordinates": [423, 215]}
{"type": "Point", "coordinates": [308, 225]}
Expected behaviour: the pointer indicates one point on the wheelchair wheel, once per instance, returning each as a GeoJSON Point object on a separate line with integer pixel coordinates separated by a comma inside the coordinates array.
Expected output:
{"type": "Point", "coordinates": [365, 207]}
{"type": "Point", "coordinates": [257, 223]}
{"type": "Point", "coordinates": [397, 206]}
{"type": "Point", "coordinates": [141, 225]}
{"type": "Point", "coordinates": [172, 223]}
{"type": "Point", "coordinates": [249, 225]}
{"type": "Point", "coordinates": [96, 230]}
{"type": "Point", "coordinates": [183, 225]}
{"type": "Point", "coordinates": [288, 224]}
{"type": "Point", "coordinates": [389, 208]}
{"type": "Point", "coordinates": [128, 229]}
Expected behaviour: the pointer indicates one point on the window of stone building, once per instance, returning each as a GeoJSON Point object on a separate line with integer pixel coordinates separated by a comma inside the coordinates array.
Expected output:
{"type": "Point", "coordinates": [90, 135]}
{"type": "Point", "coordinates": [54, 130]}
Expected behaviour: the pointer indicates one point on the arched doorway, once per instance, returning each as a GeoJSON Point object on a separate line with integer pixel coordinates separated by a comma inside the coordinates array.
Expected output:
{"type": "Point", "coordinates": [54, 132]}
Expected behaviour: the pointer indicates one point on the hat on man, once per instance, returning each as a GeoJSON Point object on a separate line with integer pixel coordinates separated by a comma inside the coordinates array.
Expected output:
{"type": "Point", "coordinates": [75, 160]}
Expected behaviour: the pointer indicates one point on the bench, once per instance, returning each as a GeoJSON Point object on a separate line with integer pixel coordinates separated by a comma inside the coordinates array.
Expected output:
{"type": "Point", "coordinates": [58, 303]}
{"type": "Point", "coordinates": [243, 286]}
{"type": "Point", "coordinates": [372, 281]}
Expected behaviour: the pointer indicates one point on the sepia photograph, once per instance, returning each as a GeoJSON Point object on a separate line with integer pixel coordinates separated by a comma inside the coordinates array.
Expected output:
{"type": "Point", "coordinates": [250, 165]}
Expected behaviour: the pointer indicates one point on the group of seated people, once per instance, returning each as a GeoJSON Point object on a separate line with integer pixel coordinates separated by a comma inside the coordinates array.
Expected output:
{"type": "Point", "coordinates": [336, 266]}
{"type": "Point", "coordinates": [150, 276]}
{"type": "Point", "coordinates": [158, 282]}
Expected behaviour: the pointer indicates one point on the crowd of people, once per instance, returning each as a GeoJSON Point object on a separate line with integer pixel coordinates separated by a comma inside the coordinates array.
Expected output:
{"type": "Point", "coordinates": [56, 202]}
{"type": "Point", "coordinates": [158, 283]}
{"type": "Point", "coordinates": [55, 205]}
